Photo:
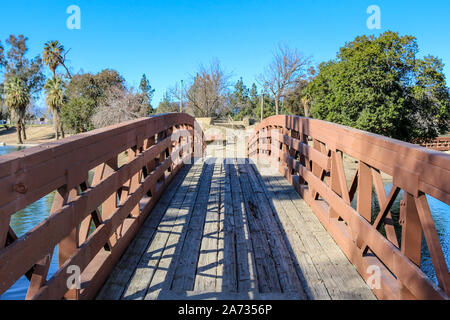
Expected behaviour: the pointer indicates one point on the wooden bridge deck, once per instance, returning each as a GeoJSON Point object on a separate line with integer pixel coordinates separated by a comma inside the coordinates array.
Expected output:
{"type": "Point", "coordinates": [229, 230]}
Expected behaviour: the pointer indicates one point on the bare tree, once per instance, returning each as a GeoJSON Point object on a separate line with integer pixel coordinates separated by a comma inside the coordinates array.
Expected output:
{"type": "Point", "coordinates": [287, 67]}
{"type": "Point", "coordinates": [207, 93]}
{"type": "Point", "coordinates": [119, 105]}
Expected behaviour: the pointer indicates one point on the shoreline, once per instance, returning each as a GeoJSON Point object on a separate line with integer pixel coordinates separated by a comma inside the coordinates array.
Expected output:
{"type": "Point", "coordinates": [4, 144]}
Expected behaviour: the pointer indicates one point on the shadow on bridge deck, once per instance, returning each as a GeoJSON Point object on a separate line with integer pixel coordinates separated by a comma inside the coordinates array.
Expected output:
{"type": "Point", "coordinates": [230, 229]}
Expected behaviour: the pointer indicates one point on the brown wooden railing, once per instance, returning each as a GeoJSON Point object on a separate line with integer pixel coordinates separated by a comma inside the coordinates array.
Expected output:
{"type": "Point", "coordinates": [93, 219]}
{"type": "Point", "coordinates": [309, 153]}
{"type": "Point", "coordinates": [439, 144]}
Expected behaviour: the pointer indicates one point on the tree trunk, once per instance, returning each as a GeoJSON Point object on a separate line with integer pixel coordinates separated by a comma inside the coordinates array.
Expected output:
{"type": "Point", "coordinates": [24, 133]}
{"type": "Point", "coordinates": [19, 134]}
{"type": "Point", "coordinates": [55, 125]}
{"type": "Point", "coordinates": [61, 129]}
{"type": "Point", "coordinates": [306, 109]}
{"type": "Point", "coordinates": [276, 105]}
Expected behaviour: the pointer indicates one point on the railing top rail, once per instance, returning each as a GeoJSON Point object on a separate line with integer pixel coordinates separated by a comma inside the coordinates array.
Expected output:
{"type": "Point", "coordinates": [45, 167]}
{"type": "Point", "coordinates": [60, 146]}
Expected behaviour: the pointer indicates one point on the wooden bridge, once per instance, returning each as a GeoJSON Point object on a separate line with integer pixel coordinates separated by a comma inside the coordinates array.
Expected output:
{"type": "Point", "coordinates": [145, 210]}
{"type": "Point", "coordinates": [438, 144]}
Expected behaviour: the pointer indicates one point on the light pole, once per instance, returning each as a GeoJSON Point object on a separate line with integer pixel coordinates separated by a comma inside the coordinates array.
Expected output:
{"type": "Point", "coordinates": [181, 97]}
{"type": "Point", "coordinates": [262, 106]}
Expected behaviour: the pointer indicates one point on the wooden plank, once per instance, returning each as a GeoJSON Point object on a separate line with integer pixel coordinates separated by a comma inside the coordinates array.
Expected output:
{"type": "Point", "coordinates": [184, 276]}
{"type": "Point", "coordinates": [163, 276]}
{"type": "Point", "coordinates": [137, 287]}
{"type": "Point", "coordinates": [289, 280]}
{"type": "Point", "coordinates": [247, 279]}
{"type": "Point", "coordinates": [121, 275]}
{"type": "Point", "coordinates": [229, 234]}
{"type": "Point", "coordinates": [308, 274]}
{"type": "Point", "coordinates": [214, 295]}
{"type": "Point", "coordinates": [220, 232]}
{"type": "Point", "coordinates": [265, 264]}
{"type": "Point", "coordinates": [205, 279]}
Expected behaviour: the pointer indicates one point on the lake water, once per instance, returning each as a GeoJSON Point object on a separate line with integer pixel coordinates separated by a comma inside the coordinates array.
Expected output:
{"type": "Point", "coordinates": [29, 217]}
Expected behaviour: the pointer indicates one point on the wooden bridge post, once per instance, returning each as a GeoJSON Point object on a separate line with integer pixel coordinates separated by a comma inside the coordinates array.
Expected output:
{"type": "Point", "coordinates": [269, 141]}
{"type": "Point", "coordinates": [169, 151]}
{"type": "Point", "coordinates": [162, 155]}
{"type": "Point", "coordinates": [102, 172]}
{"type": "Point", "coordinates": [150, 166]}
{"type": "Point", "coordinates": [66, 247]}
{"type": "Point", "coordinates": [411, 229]}
{"type": "Point", "coordinates": [334, 178]}
{"type": "Point", "coordinates": [135, 179]}
{"type": "Point", "coordinates": [364, 186]}
{"type": "Point", "coordinates": [316, 169]}
{"type": "Point", "coordinates": [258, 141]}
{"type": "Point", "coordinates": [303, 159]}
{"type": "Point", "coordinates": [293, 153]}
{"type": "Point", "coordinates": [283, 150]}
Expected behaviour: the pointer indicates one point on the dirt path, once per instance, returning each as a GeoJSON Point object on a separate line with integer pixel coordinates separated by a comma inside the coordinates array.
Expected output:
{"type": "Point", "coordinates": [36, 134]}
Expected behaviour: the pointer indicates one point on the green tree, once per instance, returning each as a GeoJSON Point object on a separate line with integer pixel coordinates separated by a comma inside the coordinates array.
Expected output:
{"type": "Point", "coordinates": [269, 106]}
{"type": "Point", "coordinates": [17, 98]}
{"type": "Point", "coordinates": [14, 65]}
{"type": "Point", "coordinates": [381, 86]}
{"type": "Point", "coordinates": [240, 101]}
{"type": "Point", "coordinates": [85, 92]}
{"type": "Point", "coordinates": [107, 79]}
{"type": "Point", "coordinates": [2, 56]}
{"type": "Point", "coordinates": [167, 105]}
{"type": "Point", "coordinates": [148, 92]}
{"type": "Point", "coordinates": [77, 114]}
{"type": "Point", "coordinates": [55, 99]}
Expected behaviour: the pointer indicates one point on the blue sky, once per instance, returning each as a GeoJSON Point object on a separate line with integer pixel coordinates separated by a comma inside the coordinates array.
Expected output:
{"type": "Point", "coordinates": [168, 40]}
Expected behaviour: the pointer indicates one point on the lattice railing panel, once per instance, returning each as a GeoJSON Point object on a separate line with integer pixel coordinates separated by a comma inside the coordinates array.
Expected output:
{"type": "Point", "coordinates": [91, 220]}
{"type": "Point", "coordinates": [310, 154]}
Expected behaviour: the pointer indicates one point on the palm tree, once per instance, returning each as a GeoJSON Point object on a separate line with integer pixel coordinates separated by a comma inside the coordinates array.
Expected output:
{"type": "Point", "coordinates": [17, 98]}
{"type": "Point", "coordinates": [54, 55]}
{"type": "Point", "coordinates": [55, 99]}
